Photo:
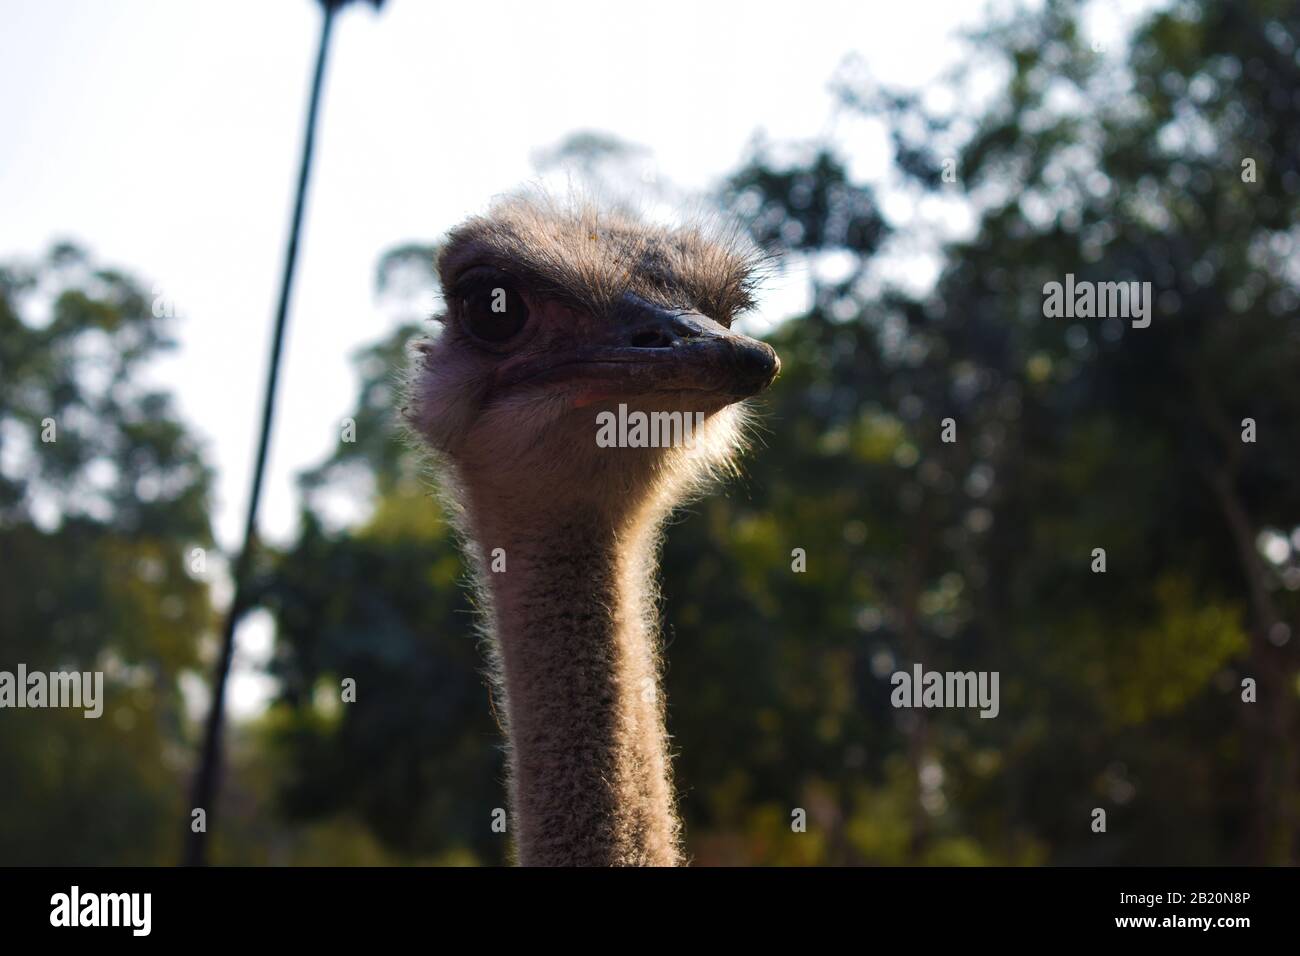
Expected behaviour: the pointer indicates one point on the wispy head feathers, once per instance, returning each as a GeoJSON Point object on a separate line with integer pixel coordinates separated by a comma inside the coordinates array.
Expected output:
{"type": "Point", "coordinates": [590, 256]}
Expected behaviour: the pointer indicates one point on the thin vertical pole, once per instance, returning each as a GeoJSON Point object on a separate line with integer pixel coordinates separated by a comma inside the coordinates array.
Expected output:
{"type": "Point", "coordinates": [207, 777]}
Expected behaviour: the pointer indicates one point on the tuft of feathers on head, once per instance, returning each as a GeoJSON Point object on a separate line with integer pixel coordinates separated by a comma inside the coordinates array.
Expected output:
{"type": "Point", "coordinates": [591, 254]}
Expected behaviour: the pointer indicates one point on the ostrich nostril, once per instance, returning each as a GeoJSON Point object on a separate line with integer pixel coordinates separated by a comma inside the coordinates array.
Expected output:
{"type": "Point", "coordinates": [652, 339]}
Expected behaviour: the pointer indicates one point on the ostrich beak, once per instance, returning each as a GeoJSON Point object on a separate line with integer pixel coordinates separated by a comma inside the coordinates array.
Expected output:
{"type": "Point", "coordinates": [651, 349]}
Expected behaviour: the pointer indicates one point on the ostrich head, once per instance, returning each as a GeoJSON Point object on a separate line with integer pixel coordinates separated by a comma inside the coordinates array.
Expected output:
{"type": "Point", "coordinates": [555, 313]}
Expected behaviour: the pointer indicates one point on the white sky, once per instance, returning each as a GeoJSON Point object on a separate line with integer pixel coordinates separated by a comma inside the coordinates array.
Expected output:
{"type": "Point", "coordinates": [165, 136]}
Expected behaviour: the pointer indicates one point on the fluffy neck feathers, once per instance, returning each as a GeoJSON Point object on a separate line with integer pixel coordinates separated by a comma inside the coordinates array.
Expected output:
{"type": "Point", "coordinates": [573, 617]}
{"type": "Point", "coordinates": [574, 635]}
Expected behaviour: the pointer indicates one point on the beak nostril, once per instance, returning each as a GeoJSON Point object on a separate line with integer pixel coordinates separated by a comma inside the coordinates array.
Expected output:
{"type": "Point", "coordinates": [652, 339]}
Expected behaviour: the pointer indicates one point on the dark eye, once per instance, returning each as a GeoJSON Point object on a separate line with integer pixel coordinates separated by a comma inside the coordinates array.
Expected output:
{"type": "Point", "coordinates": [493, 312]}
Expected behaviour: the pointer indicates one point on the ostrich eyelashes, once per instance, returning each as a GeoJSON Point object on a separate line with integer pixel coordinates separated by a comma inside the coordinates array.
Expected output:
{"type": "Point", "coordinates": [492, 310]}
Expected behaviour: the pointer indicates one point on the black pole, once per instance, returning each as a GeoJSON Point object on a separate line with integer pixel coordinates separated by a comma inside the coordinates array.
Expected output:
{"type": "Point", "coordinates": [207, 777]}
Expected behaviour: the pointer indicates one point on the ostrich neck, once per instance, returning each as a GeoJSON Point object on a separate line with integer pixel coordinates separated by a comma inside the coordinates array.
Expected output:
{"type": "Point", "coordinates": [574, 624]}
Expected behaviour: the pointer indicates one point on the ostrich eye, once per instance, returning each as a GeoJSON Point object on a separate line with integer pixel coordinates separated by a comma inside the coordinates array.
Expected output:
{"type": "Point", "coordinates": [493, 311]}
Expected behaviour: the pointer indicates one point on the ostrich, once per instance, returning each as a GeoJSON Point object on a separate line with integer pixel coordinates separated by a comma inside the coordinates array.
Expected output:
{"type": "Point", "coordinates": [555, 313]}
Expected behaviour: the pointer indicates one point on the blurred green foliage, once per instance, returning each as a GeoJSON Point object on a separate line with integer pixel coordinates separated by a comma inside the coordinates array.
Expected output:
{"type": "Point", "coordinates": [103, 497]}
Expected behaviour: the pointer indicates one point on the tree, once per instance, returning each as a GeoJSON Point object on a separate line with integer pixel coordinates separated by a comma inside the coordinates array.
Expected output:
{"type": "Point", "coordinates": [104, 498]}
{"type": "Point", "coordinates": [1079, 434]}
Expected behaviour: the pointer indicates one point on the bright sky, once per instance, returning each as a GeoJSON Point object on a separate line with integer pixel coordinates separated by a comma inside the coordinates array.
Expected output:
{"type": "Point", "coordinates": [165, 136]}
